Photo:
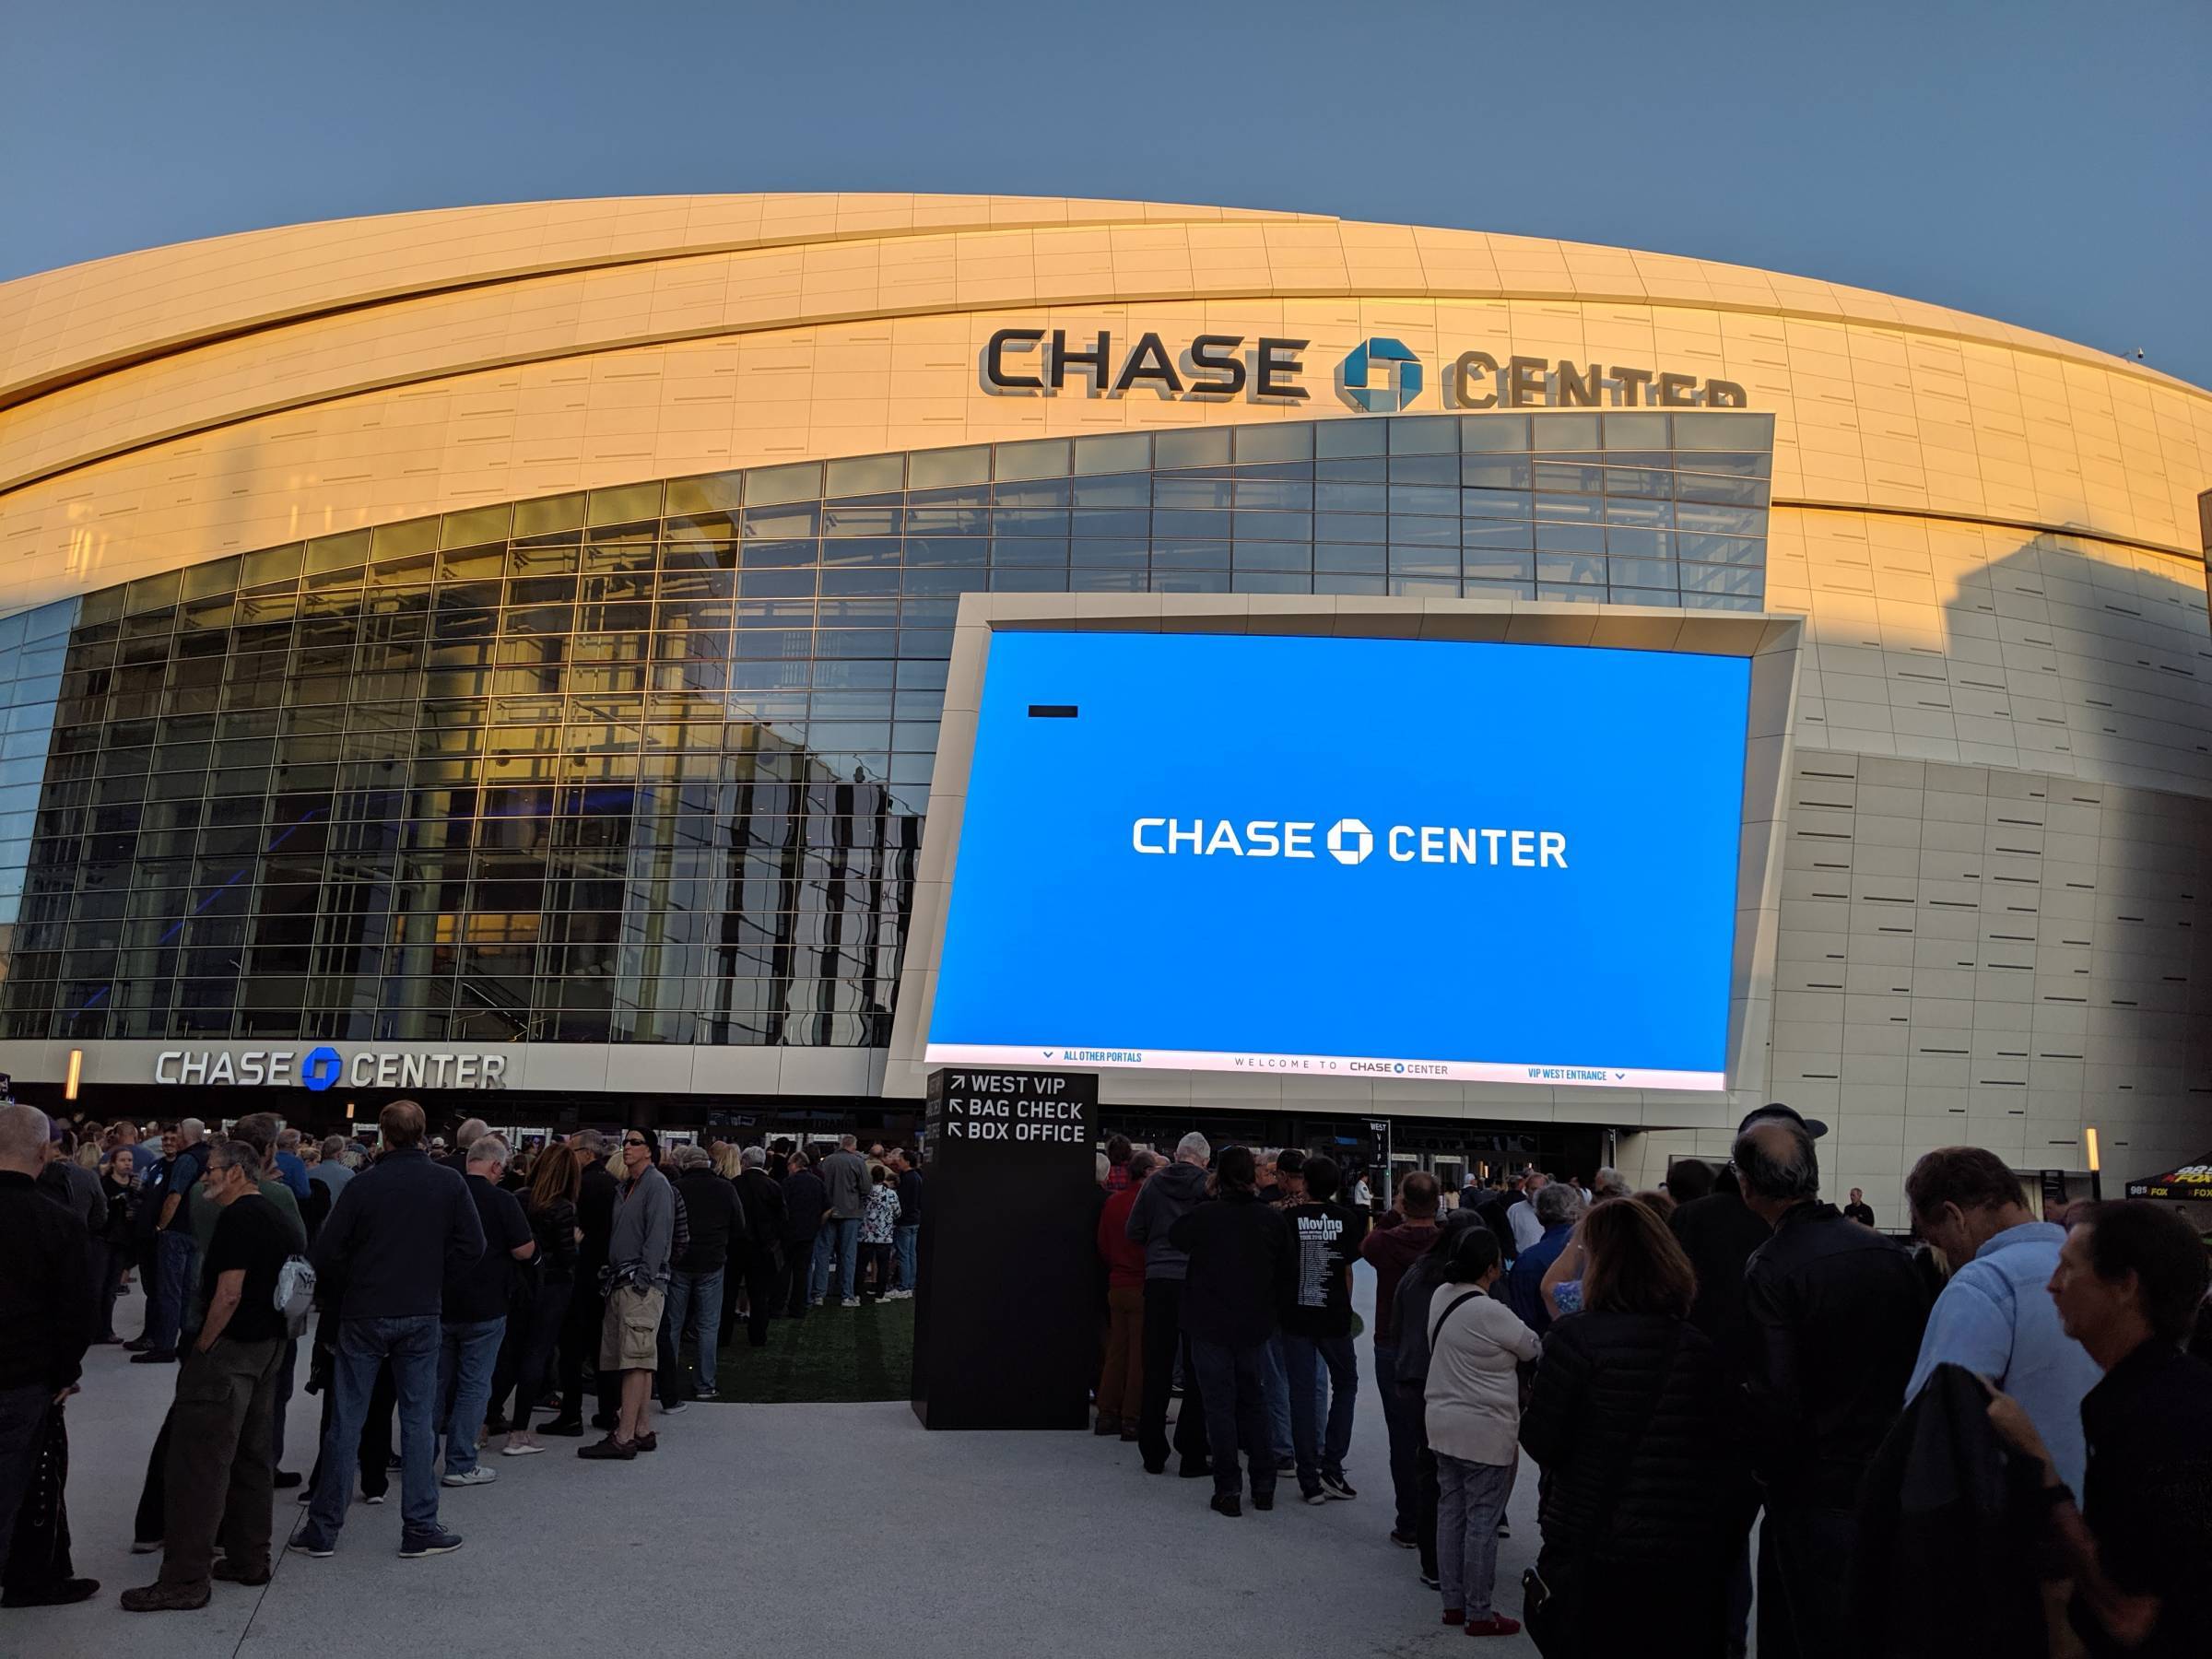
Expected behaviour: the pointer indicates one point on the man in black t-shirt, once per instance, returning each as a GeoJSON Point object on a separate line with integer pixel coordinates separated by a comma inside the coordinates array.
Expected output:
{"type": "Point", "coordinates": [219, 1456]}
{"type": "Point", "coordinates": [473, 1322]}
{"type": "Point", "coordinates": [1317, 1331]}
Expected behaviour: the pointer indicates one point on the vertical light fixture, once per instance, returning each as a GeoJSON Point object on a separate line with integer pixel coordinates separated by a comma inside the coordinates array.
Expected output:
{"type": "Point", "coordinates": [2095, 1166]}
{"type": "Point", "coordinates": [77, 1073]}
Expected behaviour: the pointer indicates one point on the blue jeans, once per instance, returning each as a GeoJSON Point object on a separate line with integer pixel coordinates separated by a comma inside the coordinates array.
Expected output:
{"type": "Point", "coordinates": [843, 1237]}
{"type": "Point", "coordinates": [178, 1258]}
{"type": "Point", "coordinates": [466, 1354]}
{"type": "Point", "coordinates": [411, 1344]}
{"type": "Point", "coordinates": [1277, 1377]}
{"type": "Point", "coordinates": [1234, 1383]}
{"type": "Point", "coordinates": [1319, 1450]}
{"type": "Point", "coordinates": [902, 1243]}
{"type": "Point", "coordinates": [695, 1301]}
{"type": "Point", "coordinates": [1469, 1499]}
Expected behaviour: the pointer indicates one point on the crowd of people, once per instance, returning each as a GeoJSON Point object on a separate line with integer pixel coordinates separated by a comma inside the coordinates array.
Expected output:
{"type": "Point", "coordinates": [459, 1294]}
{"type": "Point", "coordinates": [2001, 1433]}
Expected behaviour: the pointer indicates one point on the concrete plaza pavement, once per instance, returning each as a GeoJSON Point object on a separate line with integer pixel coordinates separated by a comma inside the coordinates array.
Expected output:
{"type": "Point", "coordinates": [795, 1529]}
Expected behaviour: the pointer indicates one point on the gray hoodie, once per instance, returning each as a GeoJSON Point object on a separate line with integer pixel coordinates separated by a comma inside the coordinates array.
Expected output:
{"type": "Point", "coordinates": [1166, 1197]}
{"type": "Point", "coordinates": [644, 1226]}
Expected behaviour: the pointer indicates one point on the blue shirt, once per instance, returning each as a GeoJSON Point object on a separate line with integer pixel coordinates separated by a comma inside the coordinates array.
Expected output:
{"type": "Point", "coordinates": [1997, 1318]}
{"type": "Point", "coordinates": [1524, 1285]}
{"type": "Point", "coordinates": [291, 1169]}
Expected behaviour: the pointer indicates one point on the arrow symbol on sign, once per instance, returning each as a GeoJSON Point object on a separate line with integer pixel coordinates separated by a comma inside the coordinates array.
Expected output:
{"type": "Point", "coordinates": [1047, 1053]}
{"type": "Point", "coordinates": [960, 1079]}
{"type": "Point", "coordinates": [955, 1106]}
{"type": "Point", "coordinates": [1621, 1076]}
{"type": "Point", "coordinates": [953, 1131]}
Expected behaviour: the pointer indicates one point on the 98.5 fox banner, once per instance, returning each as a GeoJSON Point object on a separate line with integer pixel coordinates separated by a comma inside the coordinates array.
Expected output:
{"type": "Point", "coordinates": [1461, 861]}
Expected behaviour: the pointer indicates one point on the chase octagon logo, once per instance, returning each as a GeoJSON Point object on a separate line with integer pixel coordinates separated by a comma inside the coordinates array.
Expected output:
{"type": "Point", "coordinates": [1380, 376]}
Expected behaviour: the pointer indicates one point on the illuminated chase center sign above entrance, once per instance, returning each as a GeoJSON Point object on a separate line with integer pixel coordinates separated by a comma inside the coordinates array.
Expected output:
{"type": "Point", "coordinates": [1379, 376]}
{"type": "Point", "coordinates": [320, 1068]}
{"type": "Point", "coordinates": [1455, 860]}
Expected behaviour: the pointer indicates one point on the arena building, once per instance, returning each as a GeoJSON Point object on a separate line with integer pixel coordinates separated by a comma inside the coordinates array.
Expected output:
{"type": "Point", "coordinates": [510, 648]}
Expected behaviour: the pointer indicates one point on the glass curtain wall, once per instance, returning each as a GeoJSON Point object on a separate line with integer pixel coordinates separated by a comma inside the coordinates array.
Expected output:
{"type": "Point", "coordinates": [650, 764]}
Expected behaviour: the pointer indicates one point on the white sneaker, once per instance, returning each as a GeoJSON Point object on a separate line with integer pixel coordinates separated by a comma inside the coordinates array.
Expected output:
{"type": "Point", "coordinates": [852, 1302]}
{"type": "Point", "coordinates": [898, 1296]}
{"type": "Point", "coordinates": [512, 1450]}
{"type": "Point", "coordinates": [479, 1476]}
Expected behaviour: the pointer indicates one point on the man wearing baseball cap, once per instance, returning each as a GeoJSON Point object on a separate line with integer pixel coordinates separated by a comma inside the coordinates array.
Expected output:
{"type": "Point", "coordinates": [1834, 1314]}
{"type": "Point", "coordinates": [1814, 1129]}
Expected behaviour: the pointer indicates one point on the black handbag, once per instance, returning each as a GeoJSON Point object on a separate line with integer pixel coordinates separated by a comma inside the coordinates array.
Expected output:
{"type": "Point", "coordinates": [1539, 1614]}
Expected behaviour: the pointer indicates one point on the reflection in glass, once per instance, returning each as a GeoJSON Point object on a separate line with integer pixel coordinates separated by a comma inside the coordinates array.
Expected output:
{"type": "Point", "coordinates": [649, 764]}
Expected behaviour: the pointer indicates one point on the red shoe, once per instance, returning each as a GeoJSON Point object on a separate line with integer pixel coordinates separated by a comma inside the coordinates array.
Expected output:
{"type": "Point", "coordinates": [1455, 1615]}
{"type": "Point", "coordinates": [1497, 1624]}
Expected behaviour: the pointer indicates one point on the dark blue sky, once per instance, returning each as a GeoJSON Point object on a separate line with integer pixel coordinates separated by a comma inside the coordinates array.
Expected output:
{"type": "Point", "coordinates": [2047, 163]}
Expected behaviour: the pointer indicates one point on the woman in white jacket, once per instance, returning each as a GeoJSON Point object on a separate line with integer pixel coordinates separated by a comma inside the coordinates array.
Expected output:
{"type": "Point", "coordinates": [1473, 1418]}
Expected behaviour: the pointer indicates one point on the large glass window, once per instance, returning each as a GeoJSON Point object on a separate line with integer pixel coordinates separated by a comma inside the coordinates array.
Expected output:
{"type": "Point", "coordinates": [650, 763]}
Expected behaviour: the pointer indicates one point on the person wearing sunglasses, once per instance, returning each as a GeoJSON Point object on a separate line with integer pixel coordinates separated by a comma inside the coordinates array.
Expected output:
{"type": "Point", "coordinates": [637, 1290]}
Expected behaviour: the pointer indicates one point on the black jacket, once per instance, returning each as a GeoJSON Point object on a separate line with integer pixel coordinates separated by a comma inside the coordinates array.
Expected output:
{"type": "Point", "coordinates": [2146, 1496]}
{"type": "Point", "coordinates": [717, 1218]}
{"type": "Point", "coordinates": [1949, 1531]}
{"type": "Point", "coordinates": [595, 1214]}
{"type": "Point", "coordinates": [1833, 1314]}
{"type": "Point", "coordinates": [763, 1201]}
{"type": "Point", "coordinates": [45, 1299]}
{"type": "Point", "coordinates": [1243, 1267]}
{"type": "Point", "coordinates": [554, 1228]}
{"type": "Point", "coordinates": [1630, 1422]}
{"type": "Point", "coordinates": [1167, 1197]}
{"type": "Point", "coordinates": [398, 1231]}
{"type": "Point", "coordinates": [1719, 1234]}
{"type": "Point", "coordinates": [804, 1201]}
{"type": "Point", "coordinates": [1415, 1291]}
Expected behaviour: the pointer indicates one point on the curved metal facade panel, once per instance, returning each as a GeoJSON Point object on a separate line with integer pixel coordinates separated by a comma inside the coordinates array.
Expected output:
{"type": "Point", "coordinates": [1997, 892]}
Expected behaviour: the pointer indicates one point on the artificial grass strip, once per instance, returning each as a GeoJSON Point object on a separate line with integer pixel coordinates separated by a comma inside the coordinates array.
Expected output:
{"type": "Point", "coordinates": [837, 1355]}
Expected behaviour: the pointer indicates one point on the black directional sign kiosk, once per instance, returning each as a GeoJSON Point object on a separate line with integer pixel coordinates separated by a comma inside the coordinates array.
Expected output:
{"type": "Point", "coordinates": [1006, 1310]}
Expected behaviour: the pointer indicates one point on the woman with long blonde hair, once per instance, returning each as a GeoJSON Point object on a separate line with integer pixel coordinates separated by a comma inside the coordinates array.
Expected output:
{"type": "Point", "coordinates": [549, 1201]}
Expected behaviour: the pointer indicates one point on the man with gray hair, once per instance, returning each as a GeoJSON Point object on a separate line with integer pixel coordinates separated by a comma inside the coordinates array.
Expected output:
{"type": "Point", "coordinates": [46, 1320]}
{"type": "Point", "coordinates": [463, 1137]}
{"type": "Point", "coordinates": [716, 1245]}
{"type": "Point", "coordinates": [333, 1172]}
{"type": "Point", "coordinates": [1558, 1207]}
{"type": "Point", "coordinates": [1834, 1314]}
{"type": "Point", "coordinates": [845, 1173]}
{"type": "Point", "coordinates": [1166, 1197]}
{"type": "Point", "coordinates": [764, 1274]}
{"type": "Point", "coordinates": [473, 1319]}
{"type": "Point", "coordinates": [1609, 1183]}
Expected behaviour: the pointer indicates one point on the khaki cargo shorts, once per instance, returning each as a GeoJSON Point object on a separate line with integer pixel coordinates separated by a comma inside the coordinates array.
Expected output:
{"type": "Point", "coordinates": [631, 1339]}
